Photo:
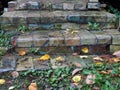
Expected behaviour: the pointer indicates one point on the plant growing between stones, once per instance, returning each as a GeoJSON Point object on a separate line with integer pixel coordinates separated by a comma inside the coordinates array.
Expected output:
{"type": "Point", "coordinates": [93, 26]}
{"type": "Point", "coordinates": [22, 28]}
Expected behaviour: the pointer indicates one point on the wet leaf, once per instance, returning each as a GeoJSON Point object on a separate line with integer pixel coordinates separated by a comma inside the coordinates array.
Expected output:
{"type": "Point", "coordinates": [76, 71]}
{"type": "Point", "coordinates": [97, 58]}
{"type": "Point", "coordinates": [90, 79]}
{"type": "Point", "coordinates": [45, 57]}
{"type": "Point", "coordinates": [77, 64]}
{"type": "Point", "coordinates": [15, 74]}
{"type": "Point", "coordinates": [22, 53]}
{"type": "Point", "coordinates": [2, 81]}
{"type": "Point", "coordinates": [83, 56]}
{"type": "Point", "coordinates": [11, 88]}
{"type": "Point", "coordinates": [32, 86]}
{"type": "Point", "coordinates": [85, 50]}
{"type": "Point", "coordinates": [76, 79]}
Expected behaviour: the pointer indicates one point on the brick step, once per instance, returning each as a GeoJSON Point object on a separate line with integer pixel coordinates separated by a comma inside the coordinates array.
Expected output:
{"type": "Point", "coordinates": [54, 5]}
{"type": "Point", "coordinates": [55, 19]}
{"type": "Point", "coordinates": [67, 38]}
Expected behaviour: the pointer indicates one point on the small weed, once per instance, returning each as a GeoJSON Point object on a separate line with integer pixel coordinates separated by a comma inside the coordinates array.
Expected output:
{"type": "Point", "coordinates": [22, 28]}
{"type": "Point", "coordinates": [93, 26]}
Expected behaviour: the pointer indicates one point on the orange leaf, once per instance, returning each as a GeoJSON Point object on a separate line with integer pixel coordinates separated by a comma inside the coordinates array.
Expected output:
{"type": "Point", "coordinates": [32, 86]}
{"type": "Point", "coordinates": [22, 53]}
{"type": "Point", "coordinates": [45, 57]}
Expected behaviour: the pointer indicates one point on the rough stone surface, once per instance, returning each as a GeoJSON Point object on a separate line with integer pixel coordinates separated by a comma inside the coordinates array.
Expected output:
{"type": "Point", "coordinates": [94, 5]}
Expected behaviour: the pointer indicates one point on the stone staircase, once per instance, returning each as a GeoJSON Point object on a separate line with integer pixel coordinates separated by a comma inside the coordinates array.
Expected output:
{"type": "Point", "coordinates": [61, 26]}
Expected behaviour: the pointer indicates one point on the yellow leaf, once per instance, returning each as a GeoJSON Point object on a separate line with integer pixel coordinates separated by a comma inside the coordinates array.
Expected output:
{"type": "Point", "coordinates": [76, 78]}
{"type": "Point", "coordinates": [2, 81]}
{"type": "Point", "coordinates": [98, 63]}
{"type": "Point", "coordinates": [84, 50]}
{"type": "Point", "coordinates": [45, 57]}
{"type": "Point", "coordinates": [59, 58]}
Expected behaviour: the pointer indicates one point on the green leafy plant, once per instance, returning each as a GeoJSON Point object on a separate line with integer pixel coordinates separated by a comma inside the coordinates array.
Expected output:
{"type": "Point", "coordinates": [34, 50]}
{"type": "Point", "coordinates": [93, 26]}
{"type": "Point", "coordinates": [22, 28]}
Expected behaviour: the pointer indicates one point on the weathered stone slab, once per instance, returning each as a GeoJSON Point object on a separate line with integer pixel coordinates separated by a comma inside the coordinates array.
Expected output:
{"type": "Point", "coordinates": [57, 6]}
{"type": "Point", "coordinates": [40, 39]}
{"type": "Point", "coordinates": [38, 64]}
{"type": "Point", "coordinates": [115, 34]}
{"type": "Point", "coordinates": [68, 6]}
{"type": "Point", "coordinates": [102, 37]}
{"type": "Point", "coordinates": [12, 5]}
{"type": "Point", "coordinates": [25, 40]}
{"type": "Point", "coordinates": [33, 5]}
{"type": "Point", "coordinates": [24, 63]}
{"type": "Point", "coordinates": [56, 38]}
{"type": "Point", "coordinates": [94, 5]}
{"type": "Point", "coordinates": [93, 1]}
{"type": "Point", "coordinates": [87, 38]}
{"type": "Point", "coordinates": [59, 64]}
{"type": "Point", "coordinates": [114, 48]}
{"type": "Point", "coordinates": [71, 37]}
{"type": "Point", "coordinates": [8, 63]}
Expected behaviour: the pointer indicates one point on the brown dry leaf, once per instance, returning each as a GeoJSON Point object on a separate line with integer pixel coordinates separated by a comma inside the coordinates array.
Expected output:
{"type": "Point", "coordinates": [96, 88]}
{"type": "Point", "coordinates": [45, 57]}
{"type": "Point", "coordinates": [103, 72]}
{"type": "Point", "coordinates": [36, 59]}
{"type": "Point", "coordinates": [97, 58]}
{"type": "Point", "coordinates": [77, 64]}
{"type": "Point", "coordinates": [2, 81]}
{"type": "Point", "coordinates": [22, 53]}
{"type": "Point", "coordinates": [76, 79]}
{"type": "Point", "coordinates": [119, 68]}
{"type": "Point", "coordinates": [76, 71]}
{"type": "Point", "coordinates": [33, 86]}
{"type": "Point", "coordinates": [74, 54]}
{"type": "Point", "coordinates": [15, 74]}
{"type": "Point", "coordinates": [117, 54]}
{"type": "Point", "coordinates": [112, 60]}
{"type": "Point", "coordinates": [90, 79]}
{"type": "Point", "coordinates": [85, 49]}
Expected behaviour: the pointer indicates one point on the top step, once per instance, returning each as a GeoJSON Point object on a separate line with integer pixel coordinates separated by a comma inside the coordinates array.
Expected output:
{"type": "Point", "coordinates": [54, 5]}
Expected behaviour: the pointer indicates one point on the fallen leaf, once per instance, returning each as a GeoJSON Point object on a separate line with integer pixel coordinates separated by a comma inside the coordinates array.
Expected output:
{"type": "Point", "coordinates": [11, 88]}
{"type": "Point", "coordinates": [77, 64]}
{"type": "Point", "coordinates": [98, 63]}
{"type": "Point", "coordinates": [60, 58]}
{"type": "Point", "coordinates": [90, 79]}
{"type": "Point", "coordinates": [45, 57]}
{"type": "Point", "coordinates": [112, 60]}
{"type": "Point", "coordinates": [76, 71]}
{"type": "Point", "coordinates": [97, 58]}
{"type": "Point", "coordinates": [83, 56]}
{"type": "Point", "coordinates": [109, 71]}
{"type": "Point", "coordinates": [15, 74]}
{"type": "Point", "coordinates": [106, 56]}
{"type": "Point", "coordinates": [36, 59]}
{"type": "Point", "coordinates": [2, 81]}
{"type": "Point", "coordinates": [22, 53]}
{"type": "Point", "coordinates": [74, 85]}
{"type": "Point", "coordinates": [96, 88]}
{"type": "Point", "coordinates": [84, 50]}
{"type": "Point", "coordinates": [32, 86]}
{"type": "Point", "coordinates": [76, 79]}
{"type": "Point", "coordinates": [117, 54]}
{"type": "Point", "coordinates": [119, 68]}
{"type": "Point", "coordinates": [74, 54]}
{"type": "Point", "coordinates": [103, 72]}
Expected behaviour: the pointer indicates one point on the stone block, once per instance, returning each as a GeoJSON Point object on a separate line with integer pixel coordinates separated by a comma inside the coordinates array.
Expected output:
{"type": "Point", "coordinates": [71, 38]}
{"type": "Point", "coordinates": [33, 5]}
{"type": "Point", "coordinates": [74, 18]}
{"type": "Point", "coordinates": [12, 4]}
{"type": "Point", "coordinates": [8, 63]}
{"type": "Point", "coordinates": [68, 6]}
{"type": "Point", "coordinates": [22, 6]}
{"type": "Point", "coordinates": [40, 39]}
{"type": "Point", "coordinates": [24, 40]}
{"type": "Point", "coordinates": [95, 5]}
{"type": "Point", "coordinates": [115, 34]}
{"type": "Point", "coordinates": [24, 63]}
{"type": "Point", "coordinates": [31, 20]}
{"type": "Point", "coordinates": [102, 37]}
{"type": "Point", "coordinates": [114, 48]}
{"type": "Point", "coordinates": [80, 6]}
{"type": "Point", "coordinates": [87, 38]}
{"type": "Point", "coordinates": [93, 1]}
{"type": "Point", "coordinates": [9, 26]}
{"type": "Point", "coordinates": [56, 38]}
{"type": "Point", "coordinates": [57, 6]}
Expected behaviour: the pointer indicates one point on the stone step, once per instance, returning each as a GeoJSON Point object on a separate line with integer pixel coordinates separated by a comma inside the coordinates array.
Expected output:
{"type": "Point", "coordinates": [57, 19]}
{"type": "Point", "coordinates": [66, 38]}
{"type": "Point", "coordinates": [53, 5]}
